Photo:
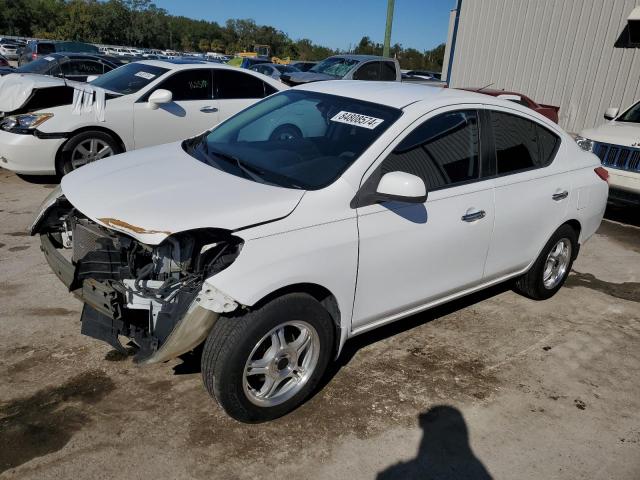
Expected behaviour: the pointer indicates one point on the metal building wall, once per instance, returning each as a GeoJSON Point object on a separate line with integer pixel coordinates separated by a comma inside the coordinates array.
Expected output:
{"type": "Point", "coordinates": [558, 52]}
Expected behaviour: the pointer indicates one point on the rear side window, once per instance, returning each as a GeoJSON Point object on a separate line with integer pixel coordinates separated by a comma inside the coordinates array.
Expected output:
{"type": "Point", "coordinates": [189, 85]}
{"type": "Point", "coordinates": [443, 151]}
{"type": "Point", "coordinates": [232, 84]}
{"type": "Point", "coordinates": [521, 144]}
{"type": "Point", "coordinates": [45, 48]}
{"type": "Point", "coordinates": [376, 71]}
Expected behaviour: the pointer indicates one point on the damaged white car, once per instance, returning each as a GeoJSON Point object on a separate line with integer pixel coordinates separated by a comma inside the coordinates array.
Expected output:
{"type": "Point", "coordinates": [274, 251]}
{"type": "Point", "coordinates": [53, 126]}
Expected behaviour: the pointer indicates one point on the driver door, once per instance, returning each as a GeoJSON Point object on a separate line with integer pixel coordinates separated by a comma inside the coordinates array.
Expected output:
{"type": "Point", "coordinates": [191, 111]}
{"type": "Point", "coordinates": [413, 254]}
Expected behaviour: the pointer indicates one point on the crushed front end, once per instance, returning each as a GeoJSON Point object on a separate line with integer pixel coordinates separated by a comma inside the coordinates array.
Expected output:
{"type": "Point", "coordinates": [156, 295]}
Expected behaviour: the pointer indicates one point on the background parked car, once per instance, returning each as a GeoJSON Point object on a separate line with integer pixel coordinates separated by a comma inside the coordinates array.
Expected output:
{"type": "Point", "coordinates": [9, 50]}
{"type": "Point", "coordinates": [348, 67]}
{"type": "Point", "coordinates": [72, 66]}
{"type": "Point", "coordinates": [549, 111]}
{"type": "Point", "coordinates": [147, 103]}
{"type": "Point", "coordinates": [617, 144]}
{"type": "Point", "coordinates": [37, 49]}
{"type": "Point", "coordinates": [273, 70]}
{"type": "Point", "coordinates": [426, 74]}
{"type": "Point", "coordinates": [303, 65]}
{"type": "Point", "coordinates": [249, 62]}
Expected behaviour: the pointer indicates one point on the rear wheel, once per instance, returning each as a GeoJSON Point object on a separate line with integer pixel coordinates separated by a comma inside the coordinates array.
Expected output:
{"type": "Point", "coordinates": [261, 365]}
{"type": "Point", "coordinates": [87, 147]}
{"type": "Point", "coordinates": [552, 266]}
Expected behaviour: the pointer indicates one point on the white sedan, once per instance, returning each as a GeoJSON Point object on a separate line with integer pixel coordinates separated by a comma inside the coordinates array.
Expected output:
{"type": "Point", "coordinates": [143, 103]}
{"type": "Point", "coordinates": [274, 251]}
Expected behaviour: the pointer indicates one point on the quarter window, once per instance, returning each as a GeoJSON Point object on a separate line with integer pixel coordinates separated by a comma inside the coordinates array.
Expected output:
{"type": "Point", "coordinates": [189, 85]}
{"type": "Point", "coordinates": [232, 84]}
{"type": "Point", "coordinates": [521, 144]}
{"type": "Point", "coordinates": [443, 151]}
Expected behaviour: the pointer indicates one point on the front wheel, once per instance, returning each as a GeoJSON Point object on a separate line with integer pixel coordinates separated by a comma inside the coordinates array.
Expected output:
{"type": "Point", "coordinates": [552, 266]}
{"type": "Point", "coordinates": [265, 363]}
{"type": "Point", "coordinates": [87, 147]}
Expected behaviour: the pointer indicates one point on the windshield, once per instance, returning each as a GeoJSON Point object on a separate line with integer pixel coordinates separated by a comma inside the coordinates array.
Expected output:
{"type": "Point", "coordinates": [295, 139]}
{"type": "Point", "coordinates": [129, 78]}
{"type": "Point", "coordinates": [41, 65]}
{"type": "Point", "coordinates": [336, 66]}
{"type": "Point", "coordinates": [632, 115]}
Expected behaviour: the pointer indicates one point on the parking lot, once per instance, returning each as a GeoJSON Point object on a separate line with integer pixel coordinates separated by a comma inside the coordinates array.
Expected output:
{"type": "Point", "coordinates": [493, 385]}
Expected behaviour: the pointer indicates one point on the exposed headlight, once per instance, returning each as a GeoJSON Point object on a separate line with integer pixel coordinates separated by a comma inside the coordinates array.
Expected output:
{"type": "Point", "coordinates": [585, 144]}
{"type": "Point", "coordinates": [27, 121]}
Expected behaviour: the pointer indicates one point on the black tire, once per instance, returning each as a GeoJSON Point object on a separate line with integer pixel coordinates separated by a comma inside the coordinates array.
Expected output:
{"type": "Point", "coordinates": [232, 339]}
{"type": "Point", "coordinates": [532, 284]}
{"type": "Point", "coordinates": [65, 164]}
{"type": "Point", "coordinates": [285, 132]}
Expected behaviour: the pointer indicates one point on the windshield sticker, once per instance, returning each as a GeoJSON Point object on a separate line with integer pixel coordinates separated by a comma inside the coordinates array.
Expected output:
{"type": "Point", "coordinates": [357, 120]}
{"type": "Point", "coordinates": [49, 59]}
{"type": "Point", "coordinates": [146, 75]}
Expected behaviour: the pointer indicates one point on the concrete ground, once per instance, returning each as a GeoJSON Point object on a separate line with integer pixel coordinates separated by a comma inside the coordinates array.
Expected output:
{"type": "Point", "coordinates": [492, 386]}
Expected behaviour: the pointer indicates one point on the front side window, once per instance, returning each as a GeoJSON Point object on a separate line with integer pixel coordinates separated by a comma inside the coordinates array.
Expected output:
{"type": "Point", "coordinates": [232, 84]}
{"type": "Point", "coordinates": [521, 144]}
{"type": "Point", "coordinates": [129, 78]}
{"type": "Point", "coordinates": [443, 151]}
{"type": "Point", "coordinates": [295, 139]}
{"type": "Point", "coordinates": [632, 115]}
{"type": "Point", "coordinates": [189, 85]}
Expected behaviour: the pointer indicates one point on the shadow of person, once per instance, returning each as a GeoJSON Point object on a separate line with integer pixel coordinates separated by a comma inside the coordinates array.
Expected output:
{"type": "Point", "coordinates": [444, 452]}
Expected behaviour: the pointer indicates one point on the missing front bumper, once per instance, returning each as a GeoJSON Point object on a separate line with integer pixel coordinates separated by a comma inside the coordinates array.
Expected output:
{"type": "Point", "coordinates": [180, 327]}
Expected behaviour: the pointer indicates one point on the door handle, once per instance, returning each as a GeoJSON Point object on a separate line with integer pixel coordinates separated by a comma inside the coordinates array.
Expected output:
{"type": "Point", "coordinates": [560, 195]}
{"type": "Point", "coordinates": [208, 109]}
{"type": "Point", "coordinates": [473, 216]}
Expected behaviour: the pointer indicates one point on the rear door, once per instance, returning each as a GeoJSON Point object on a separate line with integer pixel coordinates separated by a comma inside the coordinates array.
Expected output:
{"type": "Point", "coordinates": [531, 191]}
{"type": "Point", "coordinates": [192, 110]}
{"type": "Point", "coordinates": [236, 90]}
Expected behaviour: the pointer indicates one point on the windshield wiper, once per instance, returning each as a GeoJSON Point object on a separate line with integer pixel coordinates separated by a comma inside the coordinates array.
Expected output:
{"type": "Point", "coordinates": [252, 172]}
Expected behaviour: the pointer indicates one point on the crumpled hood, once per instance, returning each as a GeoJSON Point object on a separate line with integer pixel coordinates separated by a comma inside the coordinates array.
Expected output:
{"type": "Point", "coordinates": [154, 192]}
{"type": "Point", "coordinates": [16, 88]}
{"type": "Point", "coordinates": [298, 78]}
{"type": "Point", "coordinates": [619, 133]}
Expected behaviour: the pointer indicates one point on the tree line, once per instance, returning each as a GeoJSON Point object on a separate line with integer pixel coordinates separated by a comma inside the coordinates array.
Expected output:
{"type": "Point", "coordinates": [140, 23]}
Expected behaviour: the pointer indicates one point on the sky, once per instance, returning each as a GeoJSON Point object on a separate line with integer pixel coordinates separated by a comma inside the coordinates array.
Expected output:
{"type": "Point", "coordinates": [420, 24]}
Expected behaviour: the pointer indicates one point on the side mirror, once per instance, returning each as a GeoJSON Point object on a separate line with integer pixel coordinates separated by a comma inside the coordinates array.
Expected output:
{"type": "Point", "coordinates": [159, 97]}
{"type": "Point", "coordinates": [611, 113]}
{"type": "Point", "coordinates": [91, 78]}
{"type": "Point", "coordinates": [402, 187]}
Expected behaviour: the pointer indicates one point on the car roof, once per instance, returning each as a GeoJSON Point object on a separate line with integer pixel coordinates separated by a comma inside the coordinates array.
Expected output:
{"type": "Point", "coordinates": [392, 94]}
{"type": "Point", "coordinates": [185, 64]}
{"type": "Point", "coordinates": [361, 58]}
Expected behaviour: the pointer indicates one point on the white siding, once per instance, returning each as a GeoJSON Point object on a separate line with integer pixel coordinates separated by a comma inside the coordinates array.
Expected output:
{"type": "Point", "coordinates": [558, 52]}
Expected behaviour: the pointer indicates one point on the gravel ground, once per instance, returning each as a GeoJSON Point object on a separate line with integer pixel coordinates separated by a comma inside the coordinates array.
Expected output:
{"type": "Point", "coordinates": [494, 385]}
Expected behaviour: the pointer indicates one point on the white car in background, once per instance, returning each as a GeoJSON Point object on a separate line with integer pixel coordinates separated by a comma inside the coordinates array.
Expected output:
{"type": "Point", "coordinates": [274, 252]}
{"type": "Point", "coordinates": [617, 144]}
{"type": "Point", "coordinates": [147, 103]}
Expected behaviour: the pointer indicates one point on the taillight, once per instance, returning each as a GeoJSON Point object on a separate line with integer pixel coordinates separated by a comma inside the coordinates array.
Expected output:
{"type": "Point", "coordinates": [602, 173]}
{"type": "Point", "coordinates": [34, 56]}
